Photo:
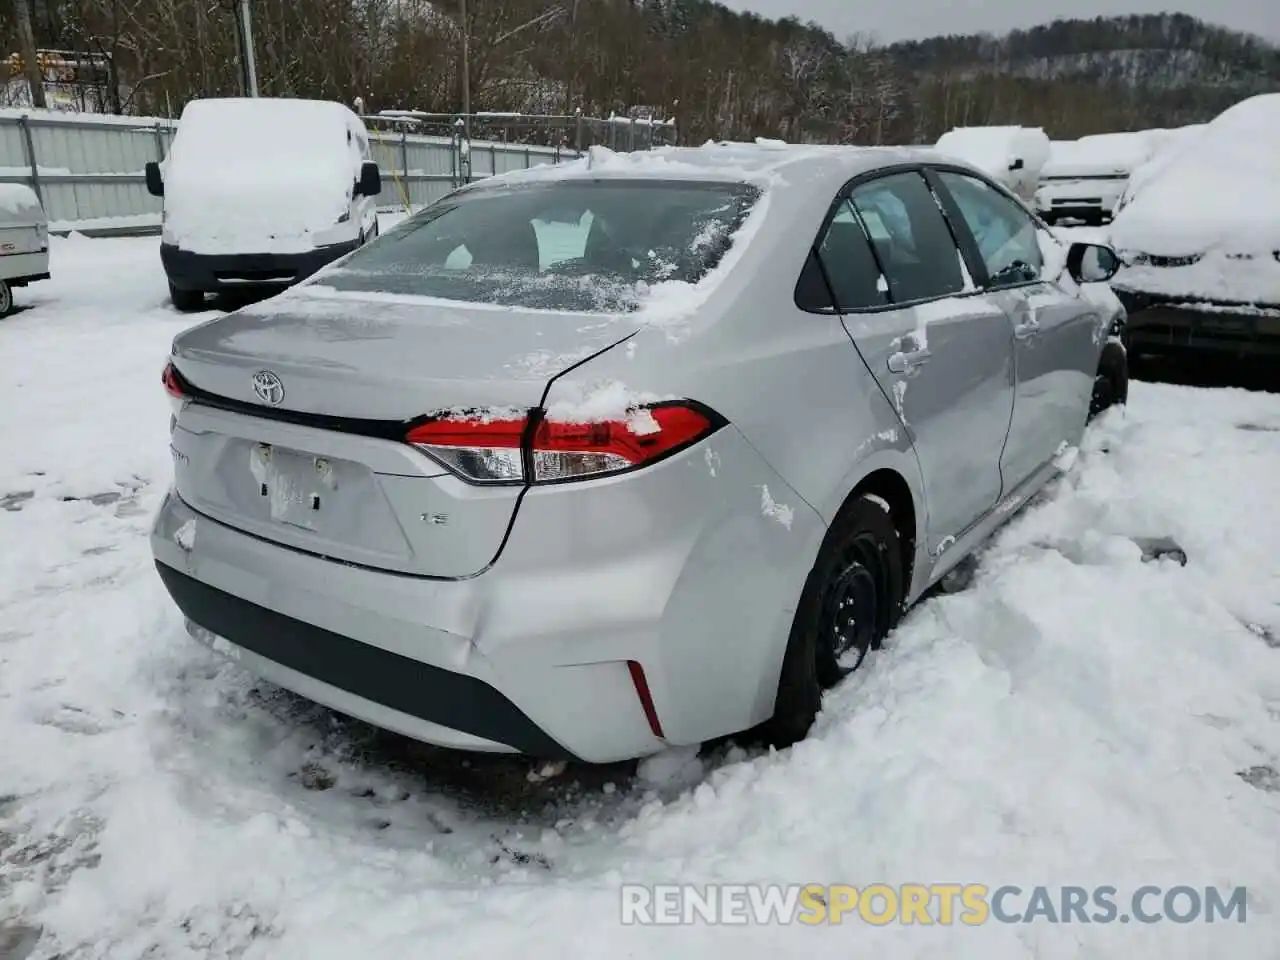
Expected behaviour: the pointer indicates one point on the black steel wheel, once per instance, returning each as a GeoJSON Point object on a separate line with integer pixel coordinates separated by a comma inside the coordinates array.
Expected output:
{"type": "Point", "coordinates": [185, 301]}
{"type": "Point", "coordinates": [1111, 382]}
{"type": "Point", "coordinates": [852, 599]}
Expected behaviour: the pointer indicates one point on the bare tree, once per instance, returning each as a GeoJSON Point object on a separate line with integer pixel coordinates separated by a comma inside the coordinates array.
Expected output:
{"type": "Point", "coordinates": [30, 62]}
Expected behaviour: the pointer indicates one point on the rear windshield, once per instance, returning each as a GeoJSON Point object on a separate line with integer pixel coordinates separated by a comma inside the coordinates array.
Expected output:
{"type": "Point", "coordinates": [579, 246]}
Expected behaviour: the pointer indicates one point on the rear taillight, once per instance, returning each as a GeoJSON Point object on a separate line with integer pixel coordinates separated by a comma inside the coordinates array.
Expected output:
{"type": "Point", "coordinates": [177, 396]}
{"type": "Point", "coordinates": [172, 385]}
{"type": "Point", "coordinates": [516, 450]}
{"type": "Point", "coordinates": [479, 449]}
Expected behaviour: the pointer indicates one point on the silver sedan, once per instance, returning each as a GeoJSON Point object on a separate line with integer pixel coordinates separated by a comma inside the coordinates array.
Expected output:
{"type": "Point", "coordinates": [637, 451]}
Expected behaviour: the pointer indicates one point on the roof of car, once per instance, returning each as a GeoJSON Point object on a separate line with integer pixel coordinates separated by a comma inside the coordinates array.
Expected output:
{"type": "Point", "coordinates": [761, 162]}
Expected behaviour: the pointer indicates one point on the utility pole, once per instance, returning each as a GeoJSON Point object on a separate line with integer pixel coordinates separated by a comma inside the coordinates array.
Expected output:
{"type": "Point", "coordinates": [30, 62]}
{"type": "Point", "coordinates": [466, 70]}
{"type": "Point", "coordinates": [248, 61]}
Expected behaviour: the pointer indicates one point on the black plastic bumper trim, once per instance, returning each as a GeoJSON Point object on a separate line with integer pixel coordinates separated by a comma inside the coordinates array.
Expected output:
{"type": "Point", "coordinates": [211, 272]}
{"type": "Point", "coordinates": [410, 686]}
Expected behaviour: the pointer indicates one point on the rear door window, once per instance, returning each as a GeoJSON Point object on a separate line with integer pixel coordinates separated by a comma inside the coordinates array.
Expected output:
{"type": "Point", "coordinates": [851, 267]}
{"type": "Point", "coordinates": [911, 239]}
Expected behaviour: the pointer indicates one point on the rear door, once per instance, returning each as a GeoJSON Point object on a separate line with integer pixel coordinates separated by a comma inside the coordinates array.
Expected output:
{"type": "Point", "coordinates": [941, 352]}
{"type": "Point", "coordinates": [1057, 333]}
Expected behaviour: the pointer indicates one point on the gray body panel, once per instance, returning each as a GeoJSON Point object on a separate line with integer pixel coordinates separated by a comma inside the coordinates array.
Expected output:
{"type": "Point", "coordinates": [691, 567]}
{"type": "Point", "coordinates": [1057, 337]}
{"type": "Point", "coordinates": [954, 406]}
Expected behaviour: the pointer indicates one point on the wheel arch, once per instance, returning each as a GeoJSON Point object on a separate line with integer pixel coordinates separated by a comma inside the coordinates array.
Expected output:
{"type": "Point", "coordinates": [893, 474]}
{"type": "Point", "coordinates": [894, 492]}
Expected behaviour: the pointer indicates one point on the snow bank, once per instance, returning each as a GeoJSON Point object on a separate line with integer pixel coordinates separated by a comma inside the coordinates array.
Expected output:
{"type": "Point", "coordinates": [994, 149]}
{"type": "Point", "coordinates": [258, 175]}
{"type": "Point", "coordinates": [1219, 190]}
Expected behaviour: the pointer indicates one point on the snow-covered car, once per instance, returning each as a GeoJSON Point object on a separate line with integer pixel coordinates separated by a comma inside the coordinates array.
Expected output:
{"type": "Point", "coordinates": [1165, 146]}
{"type": "Point", "coordinates": [24, 241]}
{"type": "Point", "coordinates": [261, 192]}
{"type": "Point", "coordinates": [634, 451]}
{"type": "Point", "coordinates": [1085, 179]}
{"type": "Point", "coordinates": [1012, 156]}
{"type": "Point", "coordinates": [1200, 240]}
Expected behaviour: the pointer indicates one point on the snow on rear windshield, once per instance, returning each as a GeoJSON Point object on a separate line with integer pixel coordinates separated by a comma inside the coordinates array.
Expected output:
{"type": "Point", "coordinates": [582, 246]}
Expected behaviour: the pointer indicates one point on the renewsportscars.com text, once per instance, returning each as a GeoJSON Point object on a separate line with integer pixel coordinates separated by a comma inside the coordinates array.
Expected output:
{"type": "Point", "coordinates": [970, 904]}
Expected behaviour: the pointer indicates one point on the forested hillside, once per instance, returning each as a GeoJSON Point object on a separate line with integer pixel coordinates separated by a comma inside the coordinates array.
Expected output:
{"type": "Point", "coordinates": [720, 74]}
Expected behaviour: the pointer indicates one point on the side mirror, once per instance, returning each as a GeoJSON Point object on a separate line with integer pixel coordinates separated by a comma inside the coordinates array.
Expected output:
{"type": "Point", "coordinates": [1091, 262]}
{"type": "Point", "coordinates": [370, 182]}
{"type": "Point", "coordinates": [155, 183]}
{"type": "Point", "coordinates": [1017, 164]}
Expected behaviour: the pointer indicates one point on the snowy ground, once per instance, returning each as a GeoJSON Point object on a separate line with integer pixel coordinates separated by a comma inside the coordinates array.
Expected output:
{"type": "Point", "coordinates": [1075, 716]}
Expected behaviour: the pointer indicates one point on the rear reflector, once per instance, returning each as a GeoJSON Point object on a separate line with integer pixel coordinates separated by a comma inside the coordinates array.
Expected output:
{"type": "Point", "coordinates": [641, 684]}
{"type": "Point", "coordinates": [485, 450]}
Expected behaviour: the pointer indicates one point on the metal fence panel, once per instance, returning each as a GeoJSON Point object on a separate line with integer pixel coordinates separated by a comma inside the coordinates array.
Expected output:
{"type": "Point", "coordinates": [88, 169]}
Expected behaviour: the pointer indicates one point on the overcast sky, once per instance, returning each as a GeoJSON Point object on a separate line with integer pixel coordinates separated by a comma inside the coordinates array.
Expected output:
{"type": "Point", "coordinates": [911, 19]}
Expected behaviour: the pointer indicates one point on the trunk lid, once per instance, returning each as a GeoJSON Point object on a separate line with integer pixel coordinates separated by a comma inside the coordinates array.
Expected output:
{"type": "Point", "coordinates": [330, 474]}
{"type": "Point", "coordinates": [389, 357]}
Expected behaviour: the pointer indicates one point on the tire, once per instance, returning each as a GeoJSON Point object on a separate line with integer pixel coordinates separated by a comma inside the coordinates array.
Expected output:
{"type": "Point", "coordinates": [1111, 382]}
{"type": "Point", "coordinates": [859, 563]}
{"type": "Point", "coordinates": [6, 298]}
{"type": "Point", "coordinates": [185, 301]}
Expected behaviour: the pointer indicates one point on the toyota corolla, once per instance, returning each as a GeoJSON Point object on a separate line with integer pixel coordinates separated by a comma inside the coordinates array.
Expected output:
{"type": "Point", "coordinates": [633, 452]}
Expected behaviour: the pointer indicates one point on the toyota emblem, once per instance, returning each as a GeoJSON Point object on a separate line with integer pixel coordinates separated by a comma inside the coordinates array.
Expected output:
{"type": "Point", "coordinates": [268, 387]}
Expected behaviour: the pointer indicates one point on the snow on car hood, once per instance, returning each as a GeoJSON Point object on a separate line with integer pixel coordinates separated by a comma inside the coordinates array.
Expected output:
{"type": "Point", "coordinates": [1221, 192]}
{"type": "Point", "coordinates": [242, 209]}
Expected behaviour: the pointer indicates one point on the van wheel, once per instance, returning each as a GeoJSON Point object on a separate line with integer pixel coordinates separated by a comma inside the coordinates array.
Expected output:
{"type": "Point", "coordinates": [185, 301]}
{"type": "Point", "coordinates": [852, 598]}
{"type": "Point", "coordinates": [1111, 382]}
{"type": "Point", "coordinates": [6, 298]}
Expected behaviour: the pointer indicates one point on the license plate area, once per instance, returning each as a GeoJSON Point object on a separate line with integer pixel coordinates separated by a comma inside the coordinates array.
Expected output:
{"type": "Point", "coordinates": [294, 486]}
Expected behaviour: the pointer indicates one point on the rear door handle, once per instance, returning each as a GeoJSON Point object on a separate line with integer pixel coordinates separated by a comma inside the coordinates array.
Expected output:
{"type": "Point", "coordinates": [901, 362]}
{"type": "Point", "coordinates": [1025, 331]}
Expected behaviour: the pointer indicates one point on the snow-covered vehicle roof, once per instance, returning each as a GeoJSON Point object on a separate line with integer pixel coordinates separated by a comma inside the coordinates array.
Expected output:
{"type": "Point", "coordinates": [770, 164]}
{"type": "Point", "coordinates": [1099, 154]}
{"type": "Point", "coordinates": [1218, 189]}
{"type": "Point", "coordinates": [993, 149]}
{"type": "Point", "coordinates": [19, 205]}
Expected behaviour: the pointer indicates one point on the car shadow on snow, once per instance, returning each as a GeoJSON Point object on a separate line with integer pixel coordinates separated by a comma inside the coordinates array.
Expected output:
{"type": "Point", "coordinates": [483, 812]}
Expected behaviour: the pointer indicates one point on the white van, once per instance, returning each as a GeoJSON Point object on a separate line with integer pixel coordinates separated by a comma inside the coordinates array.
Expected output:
{"type": "Point", "coordinates": [262, 192]}
{"type": "Point", "coordinates": [24, 241]}
{"type": "Point", "coordinates": [1012, 156]}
